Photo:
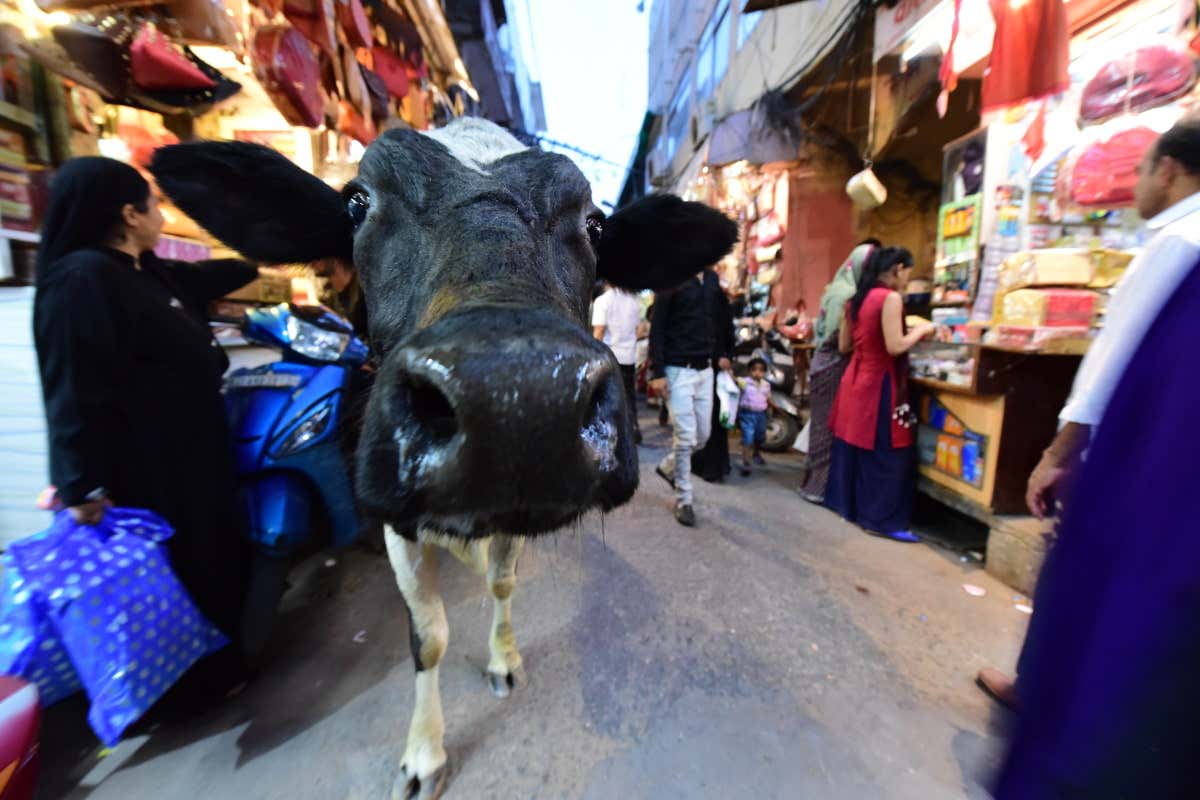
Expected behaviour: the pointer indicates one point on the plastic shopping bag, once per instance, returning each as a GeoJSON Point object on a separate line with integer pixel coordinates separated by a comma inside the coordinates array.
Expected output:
{"type": "Point", "coordinates": [801, 443]}
{"type": "Point", "coordinates": [30, 647]}
{"type": "Point", "coordinates": [728, 395]}
{"type": "Point", "coordinates": [127, 623]}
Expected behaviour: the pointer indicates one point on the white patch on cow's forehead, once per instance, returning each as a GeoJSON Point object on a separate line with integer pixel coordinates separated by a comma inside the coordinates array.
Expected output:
{"type": "Point", "coordinates": [476, 142]}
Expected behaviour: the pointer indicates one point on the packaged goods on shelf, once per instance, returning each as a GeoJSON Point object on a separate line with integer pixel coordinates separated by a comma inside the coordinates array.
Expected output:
{"type": "Point", "coordinates": [1049, 308]}
{"type": "Point", "coordinates": [1064, 341]}
{"type": "Point", "coordinates": [1062, 267]}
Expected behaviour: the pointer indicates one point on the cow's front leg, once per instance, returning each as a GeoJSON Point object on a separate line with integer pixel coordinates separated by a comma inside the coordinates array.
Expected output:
{"type": "Point", "coordinates": [423, 770]}
{"type": "Point", "coordinates": [505, 671]}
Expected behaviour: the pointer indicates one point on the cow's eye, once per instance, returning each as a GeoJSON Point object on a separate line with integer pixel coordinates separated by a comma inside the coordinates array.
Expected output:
{"type": "Point", "coordinates": [357, 205]}
{"type": "Point", "coordinates": [595, 229]}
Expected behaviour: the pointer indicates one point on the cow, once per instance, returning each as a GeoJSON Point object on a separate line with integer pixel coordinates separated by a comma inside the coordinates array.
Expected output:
{"type": "Point", "coordinates": [494, 415]}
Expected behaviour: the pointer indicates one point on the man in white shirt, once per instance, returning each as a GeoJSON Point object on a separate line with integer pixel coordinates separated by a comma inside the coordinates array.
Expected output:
{"type": "Point", "coordinates": [1168, 197]}
{"type": "Point", "coordinates": [617, 321]}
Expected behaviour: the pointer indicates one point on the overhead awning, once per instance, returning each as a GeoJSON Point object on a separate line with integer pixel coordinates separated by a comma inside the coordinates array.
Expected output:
{"type": "Point", "coordinates": [746, 136]}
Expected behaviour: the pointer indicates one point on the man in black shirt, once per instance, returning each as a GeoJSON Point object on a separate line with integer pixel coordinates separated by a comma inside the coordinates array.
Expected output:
{"type": "Point", "coordinates": [683, 340]}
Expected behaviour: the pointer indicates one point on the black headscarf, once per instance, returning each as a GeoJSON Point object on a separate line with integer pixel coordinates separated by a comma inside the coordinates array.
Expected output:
{"type": "Point", "coordinates": [86, 199]}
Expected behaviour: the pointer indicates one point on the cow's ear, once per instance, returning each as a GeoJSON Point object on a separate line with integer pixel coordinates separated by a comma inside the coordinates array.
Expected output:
{"type": "Point", "coordinates": [255, 201]}
{"type": "Point", "coordinates": [661, 240]}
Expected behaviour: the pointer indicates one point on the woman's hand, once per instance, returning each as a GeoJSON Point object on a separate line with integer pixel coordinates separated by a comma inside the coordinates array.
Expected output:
{"type": "Point", "coordinates": [89, 513]}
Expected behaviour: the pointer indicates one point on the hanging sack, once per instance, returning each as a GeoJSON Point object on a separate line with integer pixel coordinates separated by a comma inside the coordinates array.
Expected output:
{"type": "Point", "coordinates": [391, 68]}
{"type": "Point", "coordinates": [315, 20]}
{"type": "Point", "coordinates": [287, 69]}
{"type": "Point", "coordinates": [128, 625]}
{"type": "Point", "coordinates": [156, 64]}
{"type": "Point", "coordinates": [353, 22]}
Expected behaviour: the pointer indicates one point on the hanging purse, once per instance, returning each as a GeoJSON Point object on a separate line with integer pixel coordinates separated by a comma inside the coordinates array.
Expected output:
{"type": "Point", "coordinates": [286, 67]}
{"type": "Point", "coordinates": [381, 101]}
{"type": "Point", "coordinates": [391, 69]}
{"type": "Point", "coordinates": [156, 65]}
{"type": "Point", "coordinates": [353, 22]}
{"type": "Point", "coordinates": [314, 19]}
{"type": "Point", "coordinates": [87, 5]}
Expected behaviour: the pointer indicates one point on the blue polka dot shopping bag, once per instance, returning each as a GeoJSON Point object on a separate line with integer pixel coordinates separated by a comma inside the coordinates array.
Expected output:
{"type": "Point", "coordinates": [99, 606]}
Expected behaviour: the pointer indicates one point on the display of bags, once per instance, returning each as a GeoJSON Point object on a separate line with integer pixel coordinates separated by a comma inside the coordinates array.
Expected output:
{"type": "Point", "coordinates": [286, 67]}
{"type": "Point", "coordinates": [127, 624]}
{"type": "Point", "coordinates": [1149, 77]}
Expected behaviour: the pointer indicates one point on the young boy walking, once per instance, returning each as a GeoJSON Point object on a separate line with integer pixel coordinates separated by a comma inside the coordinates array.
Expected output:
{"type": "Point", "coordinates": [752, 413]}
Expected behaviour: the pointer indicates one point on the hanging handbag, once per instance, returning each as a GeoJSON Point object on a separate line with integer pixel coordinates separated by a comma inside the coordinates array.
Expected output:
{"type": "Point", "coordinates": [314, 19]}
{"type": "Point", "coordinates": [156, 64]}
{"type": "Point", "coordinates": [353, 22]}
{"type": "Point", "coordinates": [381, 101]}
{"type": "Point", "coordinates": [286, 67]}
{"type": "Point", "coordinates": [100, 51]}
{"type": "Point", "coordinates": [87, 5]}
{"type": "Point", "coordinates": [391, 69]}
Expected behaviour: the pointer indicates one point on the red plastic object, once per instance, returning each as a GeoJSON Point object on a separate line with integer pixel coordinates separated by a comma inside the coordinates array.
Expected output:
{"type": "Point", "coordinates": [1107, 172]}
{"type": "Point", "coordinates": [1160, 73]}
{"type": "Point", "coordinates": [288, 70]}
{"type": "Point", "coordinates": [20, 728]}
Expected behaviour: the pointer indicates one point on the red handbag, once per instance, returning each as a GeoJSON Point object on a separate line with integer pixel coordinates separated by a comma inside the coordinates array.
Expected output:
{"type": "Point", "coordinates": [286, 67]}
{"type": "Point", "coordinates": [353, 20]}
{"type": "Point", "coordinates": [314, 19]}
{"type": "Point", "coordinates": [392, 69]}
{"type": "Point", "coordinates": [155, 64]}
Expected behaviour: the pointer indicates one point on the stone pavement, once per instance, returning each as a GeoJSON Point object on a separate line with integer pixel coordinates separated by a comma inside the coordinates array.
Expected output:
{"type": "Point", "coordinates": [772, 652]}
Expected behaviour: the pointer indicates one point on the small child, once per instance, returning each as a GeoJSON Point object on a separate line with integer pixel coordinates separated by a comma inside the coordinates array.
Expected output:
{"type": "Point", "coordinates": [752, 412]}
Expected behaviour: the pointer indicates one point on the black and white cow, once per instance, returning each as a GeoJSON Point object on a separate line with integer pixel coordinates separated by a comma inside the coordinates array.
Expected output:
{"type": "Point", "coordinates": [495, 415]}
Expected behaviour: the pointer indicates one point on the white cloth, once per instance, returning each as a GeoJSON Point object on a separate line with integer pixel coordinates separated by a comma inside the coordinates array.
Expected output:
{"type": "Point", "coordinates": [619, 312]}
{"type": "Point", "coordinates": [1151, 279]}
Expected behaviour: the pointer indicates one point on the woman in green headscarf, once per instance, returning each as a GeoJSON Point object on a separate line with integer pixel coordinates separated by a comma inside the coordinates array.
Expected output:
{"type": "Point", "coordinates": [827, 368]}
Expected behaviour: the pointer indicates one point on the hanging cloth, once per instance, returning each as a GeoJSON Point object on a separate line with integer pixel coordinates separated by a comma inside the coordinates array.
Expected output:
{"type": "Point", "coordinates": [1030, 53]}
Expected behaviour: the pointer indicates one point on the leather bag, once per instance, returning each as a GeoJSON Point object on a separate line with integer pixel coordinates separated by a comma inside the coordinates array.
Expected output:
{"type": "Point", "coordinates": [155, 63]}
{"type": "Point", "coordinates": [289, 72]}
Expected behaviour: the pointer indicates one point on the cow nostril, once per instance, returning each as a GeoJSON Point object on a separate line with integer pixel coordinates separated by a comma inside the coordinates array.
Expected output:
{"type": "Point", "coordinates": [430, 408]}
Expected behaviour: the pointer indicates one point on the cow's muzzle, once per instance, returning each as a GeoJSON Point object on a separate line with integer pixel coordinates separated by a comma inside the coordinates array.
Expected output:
{"type": "Point", "coordinates": [497, 419]}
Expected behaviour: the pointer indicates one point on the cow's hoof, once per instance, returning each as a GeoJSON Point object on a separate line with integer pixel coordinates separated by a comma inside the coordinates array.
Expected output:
{"type": "Point", "coordinates": [410, 787]}
{"type": "Point", "coordinates": [503, 683]}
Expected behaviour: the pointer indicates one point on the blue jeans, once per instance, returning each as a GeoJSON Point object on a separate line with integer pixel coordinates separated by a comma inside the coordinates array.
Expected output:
{"type": "Point", "coordinates": [690, 400]}
{"type": "Point", "coordinates": [753, 425]}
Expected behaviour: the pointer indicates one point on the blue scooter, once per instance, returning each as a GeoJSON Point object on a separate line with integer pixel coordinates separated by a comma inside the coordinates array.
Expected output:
{"type": "Point", "coordinates": [286, 419]}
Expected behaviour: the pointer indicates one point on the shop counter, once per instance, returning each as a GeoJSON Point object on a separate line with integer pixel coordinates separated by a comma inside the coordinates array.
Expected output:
{"type": "Point", "coordinates": [985, 414]}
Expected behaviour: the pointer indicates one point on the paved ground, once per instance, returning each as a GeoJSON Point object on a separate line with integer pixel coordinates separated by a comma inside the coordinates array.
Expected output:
{"type": "Point", "coordinates": [773, 652]}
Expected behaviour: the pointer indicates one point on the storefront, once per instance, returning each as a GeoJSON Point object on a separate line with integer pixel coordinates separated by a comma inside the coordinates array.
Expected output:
{"type": "Point", "coordinates": [1034, 227]}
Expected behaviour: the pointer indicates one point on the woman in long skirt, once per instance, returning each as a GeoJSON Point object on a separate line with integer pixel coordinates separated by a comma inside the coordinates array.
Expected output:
{"type": "Point", "coordinates": [871, 480]}
{"type": "Point", "coordinates": [828, 366]}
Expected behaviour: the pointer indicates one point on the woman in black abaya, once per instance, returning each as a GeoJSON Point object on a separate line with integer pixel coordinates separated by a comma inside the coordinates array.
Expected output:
{"type": "Point", "coordinates": [131, 378]}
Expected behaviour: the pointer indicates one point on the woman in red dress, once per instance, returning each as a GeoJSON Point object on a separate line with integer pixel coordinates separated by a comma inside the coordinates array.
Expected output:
{"type": "Point", "coordinates": [872, 474]}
